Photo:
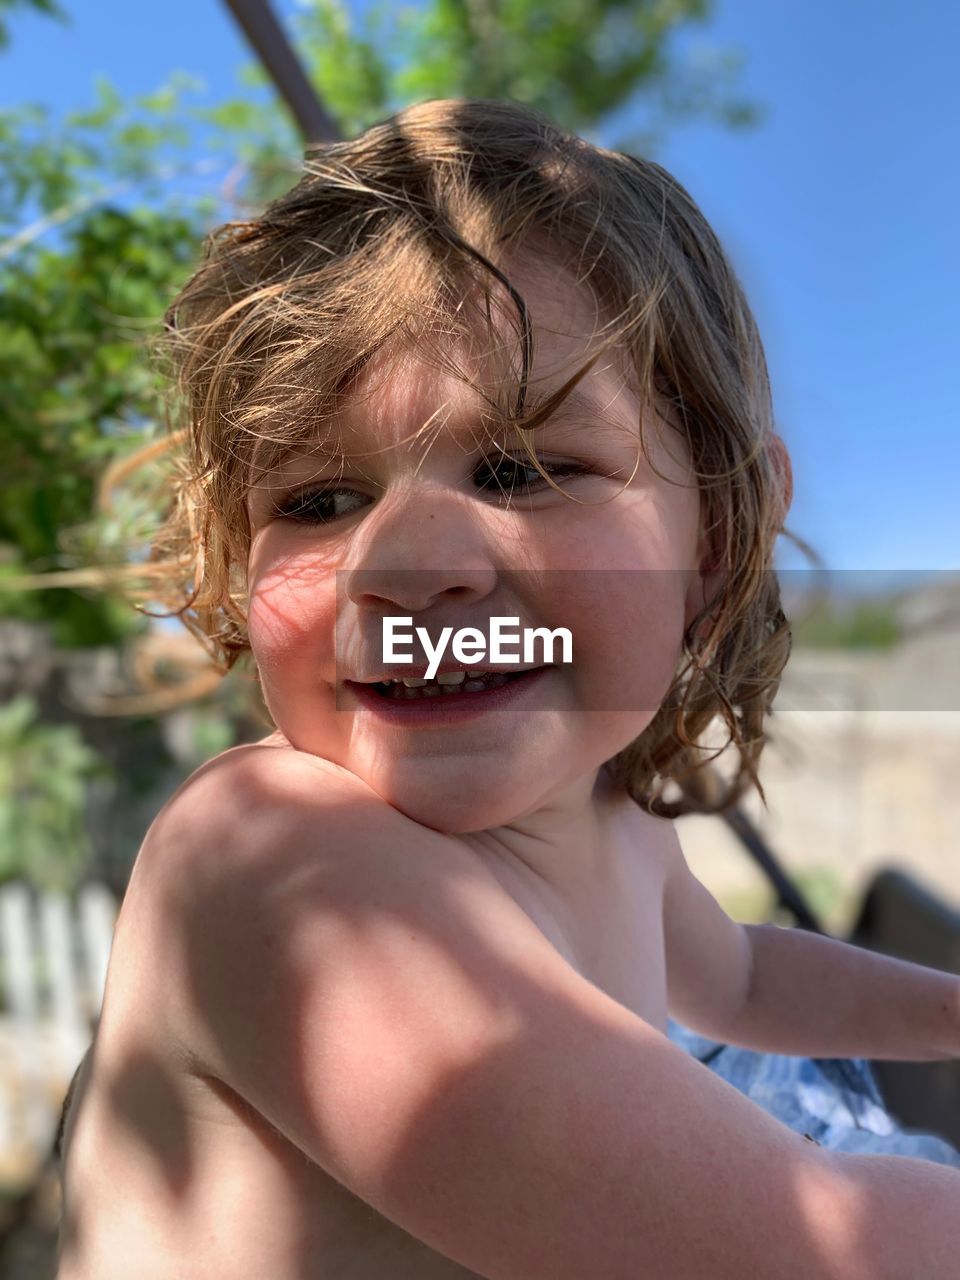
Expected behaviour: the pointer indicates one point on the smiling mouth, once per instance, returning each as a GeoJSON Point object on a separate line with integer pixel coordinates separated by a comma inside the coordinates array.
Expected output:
{"type": "Point", "coordinates": [397, 691]}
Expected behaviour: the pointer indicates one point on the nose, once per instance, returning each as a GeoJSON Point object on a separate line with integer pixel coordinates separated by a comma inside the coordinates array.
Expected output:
{"type": "Point", "coordinates": [408, 556]}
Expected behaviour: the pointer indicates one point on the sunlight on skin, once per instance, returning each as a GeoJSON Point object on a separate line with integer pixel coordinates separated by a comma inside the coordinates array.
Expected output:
{"type": "Point", "coordinates": [525, 780]}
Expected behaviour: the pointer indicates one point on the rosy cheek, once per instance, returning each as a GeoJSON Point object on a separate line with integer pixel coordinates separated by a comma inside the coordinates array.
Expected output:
{"type": "Point", "coordinates": [291, 603]}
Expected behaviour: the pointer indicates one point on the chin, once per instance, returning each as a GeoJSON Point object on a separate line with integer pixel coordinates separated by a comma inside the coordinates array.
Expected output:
{"type": "Point", "coordinates": [447, 815]}
{"type": "Point", "coordinates": [453, 811]}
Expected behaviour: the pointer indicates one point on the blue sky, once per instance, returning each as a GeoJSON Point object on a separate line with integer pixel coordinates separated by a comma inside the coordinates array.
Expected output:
{"type": "Point", "coordinates": [839, 212]}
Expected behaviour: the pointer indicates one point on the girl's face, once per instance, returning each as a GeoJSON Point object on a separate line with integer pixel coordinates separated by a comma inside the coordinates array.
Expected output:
{"type": "Point", "coordinates": [322, 579]}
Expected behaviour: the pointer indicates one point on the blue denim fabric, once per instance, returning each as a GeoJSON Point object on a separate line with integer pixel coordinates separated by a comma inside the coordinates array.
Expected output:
{"type": "Point", "coordinates": [837, 1101]}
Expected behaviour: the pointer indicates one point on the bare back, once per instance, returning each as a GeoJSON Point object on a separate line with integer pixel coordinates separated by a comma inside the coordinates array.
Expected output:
{"type": "Point", "coordinates": [164, 1163]}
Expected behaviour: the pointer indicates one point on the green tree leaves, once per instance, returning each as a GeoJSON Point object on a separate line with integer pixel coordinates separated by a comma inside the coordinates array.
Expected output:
{"type": "Point", "coordinates": [97, 230]}
{"type": "Point", "coordinates": [44, 770]}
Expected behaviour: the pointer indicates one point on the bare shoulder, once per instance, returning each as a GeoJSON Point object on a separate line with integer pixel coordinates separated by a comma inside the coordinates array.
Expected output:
{"type": "Point", "coordinates": [268, 856]}
{"type": "Point", "coordinates": [250, 837]}
{"type": "Point", "coordinates": [655, 835]}
{"type": "Point", "coordinates": [256, 772]}
{"type": "Point", "coordinates": [261, 837]}
{"type": "Point", "coordinates": [245, 800]}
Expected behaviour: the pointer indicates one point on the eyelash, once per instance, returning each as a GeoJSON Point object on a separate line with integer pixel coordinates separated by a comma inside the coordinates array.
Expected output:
{"type": "Point", "coordinates": [298, 504]}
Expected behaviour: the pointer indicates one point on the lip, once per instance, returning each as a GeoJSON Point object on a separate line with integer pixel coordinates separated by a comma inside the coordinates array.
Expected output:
{"type": "Point", "coordinates": [445, 708]}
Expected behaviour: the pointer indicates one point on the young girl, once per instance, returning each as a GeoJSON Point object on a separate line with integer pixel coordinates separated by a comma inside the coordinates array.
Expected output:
{"type": "Point", "coordinates": [389, 990]}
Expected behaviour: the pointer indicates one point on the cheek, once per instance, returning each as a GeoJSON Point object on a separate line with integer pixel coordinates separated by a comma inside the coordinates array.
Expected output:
{"type": "Point", "coordinates": [291, 610]}
{"type": "Point", "coordinates": [628, 632]}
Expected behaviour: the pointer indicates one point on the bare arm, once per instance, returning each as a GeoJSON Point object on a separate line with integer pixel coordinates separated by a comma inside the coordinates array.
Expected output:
{"type": "Point", "coordinates": [821, 997]}
{"type": "Point", "coordinates": [375, 995]}
{"type": "Point", "coordinates": [708, 957]}
{"type": "Point", "coordinates": [780, 990]}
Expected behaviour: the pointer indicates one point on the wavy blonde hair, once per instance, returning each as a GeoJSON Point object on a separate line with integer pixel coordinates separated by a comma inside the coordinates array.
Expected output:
{"type": "Point", "coordinates": [397, 238]}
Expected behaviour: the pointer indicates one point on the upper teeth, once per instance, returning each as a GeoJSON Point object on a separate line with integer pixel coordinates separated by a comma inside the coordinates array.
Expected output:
{"type": "Point", "coordinates": [445, 677]}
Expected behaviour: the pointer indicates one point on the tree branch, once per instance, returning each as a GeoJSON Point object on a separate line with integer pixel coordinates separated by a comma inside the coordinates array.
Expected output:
{"type": "Point", "coordinates": [266, 37]}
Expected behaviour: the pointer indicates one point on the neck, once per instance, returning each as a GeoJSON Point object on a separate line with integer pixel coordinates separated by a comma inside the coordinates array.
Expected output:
{"type": "Point", "coordinates": [564, 854]}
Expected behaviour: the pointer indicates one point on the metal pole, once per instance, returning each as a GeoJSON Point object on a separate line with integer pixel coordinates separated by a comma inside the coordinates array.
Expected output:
{"type": "Point", "coordinates": [704, 787]}
{"type": "Point", "coordinates": [788, 894]}
{"type": "Point", "coordinates": [266, 37]}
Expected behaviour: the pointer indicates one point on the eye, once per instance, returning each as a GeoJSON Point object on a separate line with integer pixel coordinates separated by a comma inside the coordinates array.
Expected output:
{"type": "Point", "coordinates": [506, 475]}
{"type": "Point", "coordinates": [490, 475]}
{"type": "Point", "coordinates": [319, 506]}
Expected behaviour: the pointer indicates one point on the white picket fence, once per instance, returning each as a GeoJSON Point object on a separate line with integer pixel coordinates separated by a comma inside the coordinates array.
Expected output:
{"type": "Point", "coordinates": [53, 965]}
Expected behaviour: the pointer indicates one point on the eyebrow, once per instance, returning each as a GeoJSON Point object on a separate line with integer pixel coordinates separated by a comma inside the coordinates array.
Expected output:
{"type": "Point", "coordinates": [575, 406]}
